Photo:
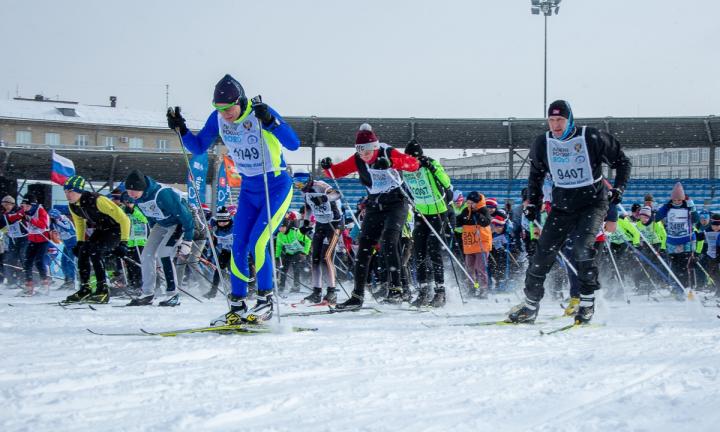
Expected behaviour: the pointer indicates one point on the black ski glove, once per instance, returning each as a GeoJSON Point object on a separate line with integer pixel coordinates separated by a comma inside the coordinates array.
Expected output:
{"type": "Point", "coordinates": [530, 212]}
{"type": "Point", "coordinates": [425, 162]}
{"type": "Point", "coordinates": [121, 250]}
{"type": "Point", "coordinates": [263, 114]}
{"type": "Point", "coordinates": [176, 120]}
{"type": "Point", "coordinates": [319, 200]}
{"type": "Point", "coordinates": [382, 163]}
{"type": "Point", "coordinates": [615, 195]}
{"type": "Point", "coordinates": [326, 163]}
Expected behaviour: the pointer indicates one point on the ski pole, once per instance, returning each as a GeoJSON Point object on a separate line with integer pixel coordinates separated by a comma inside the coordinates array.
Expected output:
{"type": "Point", "coordinates": [200, 210]}
{"type": "Point", "coordinates": [263, 146]}
{"type": "Point", "coordinates": [617, 272]}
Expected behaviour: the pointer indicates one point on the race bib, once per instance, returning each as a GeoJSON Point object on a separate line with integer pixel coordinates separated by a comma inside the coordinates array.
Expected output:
{"type": "Point", "coordinates": [569, 162]}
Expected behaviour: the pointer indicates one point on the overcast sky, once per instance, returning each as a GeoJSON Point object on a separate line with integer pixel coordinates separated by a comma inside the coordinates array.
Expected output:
{"type": "Point", "coordinates": [384, 58]}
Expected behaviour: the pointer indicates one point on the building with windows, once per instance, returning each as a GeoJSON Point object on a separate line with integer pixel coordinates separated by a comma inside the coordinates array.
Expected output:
{"type": "Point", "coordinates": [46, 123]}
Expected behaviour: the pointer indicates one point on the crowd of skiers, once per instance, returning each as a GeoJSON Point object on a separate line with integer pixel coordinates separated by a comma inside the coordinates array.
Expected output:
{"type": "Point", "coordinates": [399, 242]}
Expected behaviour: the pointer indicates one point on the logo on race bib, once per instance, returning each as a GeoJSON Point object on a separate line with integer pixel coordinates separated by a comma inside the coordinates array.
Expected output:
{"type": "Point", "coordinates": [578, 147]}
{"type": "Point", "coordinates": [247, 124]}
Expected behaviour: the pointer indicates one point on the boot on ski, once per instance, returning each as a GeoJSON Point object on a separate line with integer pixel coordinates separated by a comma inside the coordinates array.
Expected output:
{"type": "Point", "coordinates": [354, 302]}
{"type": "Point", "coordinates": [315, 297]}
{"type": "Point", "coordinates": [330, 297]}
{"type": "Point", "coordinates": [100, 296]}
{"type": "Point", "coordinates": [238, 308]}
{"type": "Point", "coordinates": [81, 295]}
{"type": "Point", "coordinates": [438, 300]}
{"type": "Point", "coordinates": [422, 299]}
{"type": "Point", "coordinates": [586, 309]}
{"type": "Point", "coordinates": [525, 312]}
{"type": "Point", "coordinates": [407, 294]}
{"type": "Point", "coordinates": [394, 296]}
{"type": "Point", "coordinates": [142, 301]}
{"type": "Point", "coordinates": [263, 309]}
{"type": "Point", "coordinates": [29, 289]}
{"type": "Point", "coordinates": [381, 292]}
{"type": "Point", "coordinates": [67, 285]}
{"type": "Point", "coordinates": [572, 308]}
{"type": "Point", "coordinates": [211, 294]}
{"type": "Point", "coordinates": [172, 299]}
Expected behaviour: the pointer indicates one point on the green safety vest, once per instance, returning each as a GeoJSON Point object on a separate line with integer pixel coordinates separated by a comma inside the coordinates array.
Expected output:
{"type": "Point", "coordinates": [423, 183]}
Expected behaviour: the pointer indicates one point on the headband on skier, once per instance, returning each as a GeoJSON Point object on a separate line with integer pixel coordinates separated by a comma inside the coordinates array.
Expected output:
{"type": "Point", "coordinates": [365, 139]}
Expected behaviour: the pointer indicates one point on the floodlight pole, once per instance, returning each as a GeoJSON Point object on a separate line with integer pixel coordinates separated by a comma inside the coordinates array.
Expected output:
{"type": "Point", "coordinates": [545, 75]}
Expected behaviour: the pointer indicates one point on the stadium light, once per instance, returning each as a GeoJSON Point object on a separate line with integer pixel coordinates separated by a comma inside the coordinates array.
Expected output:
{"type": "Point", "coordinates": [547, 7]}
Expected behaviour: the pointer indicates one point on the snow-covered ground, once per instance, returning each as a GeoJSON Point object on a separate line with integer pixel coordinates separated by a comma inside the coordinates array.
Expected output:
{"type": "Point", "coordinates": [654, 366]}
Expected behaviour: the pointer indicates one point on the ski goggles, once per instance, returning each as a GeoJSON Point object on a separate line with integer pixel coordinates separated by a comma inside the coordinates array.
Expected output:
{"type": "Point", "coordinates": [224, 107]}
{"type": "Point", "coordinates": [366, 147]}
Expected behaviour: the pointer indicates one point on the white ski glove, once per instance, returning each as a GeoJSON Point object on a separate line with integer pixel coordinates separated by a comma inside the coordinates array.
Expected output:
{"type": "Point", "coordinates": [185, 248]}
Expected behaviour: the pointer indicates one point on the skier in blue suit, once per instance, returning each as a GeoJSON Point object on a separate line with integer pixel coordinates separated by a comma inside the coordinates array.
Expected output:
{"type": "Point", "coordinates": [239, 123]}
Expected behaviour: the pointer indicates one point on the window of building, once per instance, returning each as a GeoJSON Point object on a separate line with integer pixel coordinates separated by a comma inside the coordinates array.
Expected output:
{"type": "Point", "coordinates": [664, 159]}
{"type": "Point", "coordinates": [52, 139]}
{"type": "Point", "coordinates": [645, 160]}
{"type": "Point", "coordinates": [23, 137]}
{"type": "Point", "coordinates": [695, 156]}
{"type": "Point", "coordinates": [162, 145]}
{"type": "Point", "coordinates": [704, 155]}
{"type": "Point", "coordinates": [135, 143]}
{"type": "Point", "coordinates": [685, 157]}
{"type": "Point", "coordinates": [655, 160]}
{"type": "Point", "coordinates": [675, 157]}
{"type": "Point", "coordinates": [109, 142]}
{"type": "Point", "coordinates": [81, 140]}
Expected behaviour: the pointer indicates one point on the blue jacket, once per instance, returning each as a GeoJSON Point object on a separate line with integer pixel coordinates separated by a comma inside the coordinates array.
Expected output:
{"type": "Point", "coordinates": [683, 234]}
{"type": "Point", "coordinates": [176, 209]}
{"type": "Point", "coordinates": [198, 144]}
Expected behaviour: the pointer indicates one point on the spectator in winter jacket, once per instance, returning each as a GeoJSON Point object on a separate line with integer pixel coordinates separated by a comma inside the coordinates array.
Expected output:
{"type": "Point", "coordinates": [35, 220]}
{"type": "Point", "coordinates": [477, 241]}
{"type": "Point", "coordinates": [16, 239]}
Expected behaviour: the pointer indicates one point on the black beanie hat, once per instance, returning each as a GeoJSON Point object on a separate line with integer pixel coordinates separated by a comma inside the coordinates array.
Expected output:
{"type": "Point", "coordinates": [560, 108]}
{"type": "Point", "coordinates": [228, 90]}
{"type": "Point", "coordinates": [413, 148]}
{"type": "Point", "coordinates": [29, 200]}
{"type": "Point", "coordinates": [135, 181]}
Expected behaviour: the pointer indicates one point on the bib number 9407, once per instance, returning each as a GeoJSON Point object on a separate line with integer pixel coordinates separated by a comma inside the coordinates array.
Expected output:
{"type": "Point", "coordinates": [572, 173]}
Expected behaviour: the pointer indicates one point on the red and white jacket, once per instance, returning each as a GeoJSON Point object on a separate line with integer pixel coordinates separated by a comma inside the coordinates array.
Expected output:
{"type": "Point", "coordinates": [37, 225]}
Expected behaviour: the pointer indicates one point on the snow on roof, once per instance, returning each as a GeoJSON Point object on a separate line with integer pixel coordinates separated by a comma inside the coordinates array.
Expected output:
{"type": "Point", "coordinates": [86, 114]}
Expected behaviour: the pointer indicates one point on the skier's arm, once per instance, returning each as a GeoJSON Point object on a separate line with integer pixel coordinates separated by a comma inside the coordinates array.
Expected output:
{"type": "Point", "coordinates": [283, 132]}
{"type": "Point", "coordinates": [538, 169]}
{"type": "Point", "coordinates": [331, 193]}
{"type": "Point", "coordinates": [661, 233]}
{"type": "Point", "coordinates": [170, 203]}
{"type": "Point", "coordinates": [108, 207]}
{"type": "Point", "coordinates": [662, 212]}
{"type": "Point", "coordinates": [402, 162]}
{"type": "Point", "coordinates": [279, 242]}
{"type": "Point", "coordinates": [198, 144]}
{"type": "Point", "coordinates": [613, 155]}
{"type": "Point", "coordinates": [630, 230]}
{"type": "Point", "coordinates": [79, 226]}
{"type": "Point", "coordinates": [344, 168]}
{"type": "Point", "coordinates": [440, 174]}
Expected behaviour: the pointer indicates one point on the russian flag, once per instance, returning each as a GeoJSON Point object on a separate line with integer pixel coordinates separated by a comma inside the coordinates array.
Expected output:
{"type": "Point", "coordinates": [62, 168]}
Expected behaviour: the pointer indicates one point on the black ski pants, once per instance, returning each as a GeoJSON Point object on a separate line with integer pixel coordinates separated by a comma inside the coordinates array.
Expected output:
{"type": "Point", "coordinates": [35, 254]}
{"type": "Point", "coordinates": [100, 243]}
{"type": "Point", "coordinates": [583, 224]}
{"type": "Point", "coordinates": [428, 248]}
{"type": "Point", "coordinates": [296, 261]}
{"type": "Point", "coordinates": [382, 223]}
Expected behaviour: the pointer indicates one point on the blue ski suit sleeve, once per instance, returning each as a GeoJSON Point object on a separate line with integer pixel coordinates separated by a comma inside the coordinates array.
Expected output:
{"type": "Point", "coordinates": [283, 132]}
{"type": "Point", "coordinates": [198, 144]}
{"type": "Point", "coordinates": [171, 204]}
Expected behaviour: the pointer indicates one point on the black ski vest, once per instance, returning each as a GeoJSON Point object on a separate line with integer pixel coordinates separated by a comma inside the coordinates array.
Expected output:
{"type": "Point", "coordinates": [86, 208]}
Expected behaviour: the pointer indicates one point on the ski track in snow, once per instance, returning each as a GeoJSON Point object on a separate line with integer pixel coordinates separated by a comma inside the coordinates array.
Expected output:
{"type": "Point", "coordinates": [653, 367]}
